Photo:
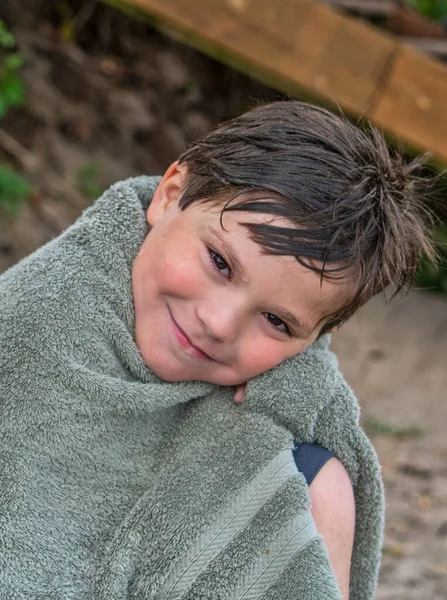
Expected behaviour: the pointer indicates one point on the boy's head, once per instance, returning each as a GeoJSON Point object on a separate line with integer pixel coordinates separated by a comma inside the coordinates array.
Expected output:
{"type": "Point", "coordinates": [269, 231]}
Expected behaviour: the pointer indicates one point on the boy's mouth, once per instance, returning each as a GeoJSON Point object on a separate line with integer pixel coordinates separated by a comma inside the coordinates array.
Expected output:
{"type": "Point", "coordinates": [186, 343]}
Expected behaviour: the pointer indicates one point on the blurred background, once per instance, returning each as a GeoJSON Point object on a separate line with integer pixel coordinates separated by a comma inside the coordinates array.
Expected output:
{"type": "Point", "coordinates": [94, 92]}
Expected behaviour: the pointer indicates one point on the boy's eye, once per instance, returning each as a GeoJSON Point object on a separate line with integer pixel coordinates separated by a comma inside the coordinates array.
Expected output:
{"type": "Point", "coordinates": [277, 323]}
{"type": "Point", "coordinates": [219, 263]}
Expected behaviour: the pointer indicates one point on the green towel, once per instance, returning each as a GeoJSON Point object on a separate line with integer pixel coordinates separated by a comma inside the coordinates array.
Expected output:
{"type": "Point", "coordinates": [117, 485]}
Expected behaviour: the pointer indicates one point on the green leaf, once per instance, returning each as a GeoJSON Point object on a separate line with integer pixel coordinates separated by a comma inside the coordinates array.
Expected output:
{"type": "Point", "coordinates": [14, 189]}
{"type": "Point", "coordinates": [12, 91]}
{"type": "Point", "coordinates": [88, 181]}
{"type": "Point", "coordinates": [3, 106]}
{"type": "Point", "coordinates": [373, 426]}
{"type": "Point", "coordinates": [13, 62]}
{"type": "Point", "coordinates": [7, 40]}
{"type": "Point", "coordinates": [433, 9]}
{"type": "Point", "coordinates": [11, 87]}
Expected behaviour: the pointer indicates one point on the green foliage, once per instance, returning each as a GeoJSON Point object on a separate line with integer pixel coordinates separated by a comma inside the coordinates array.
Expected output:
{"type": "Point", "coordinates": [88, 181]}
{"type": "Point", "coordinates": [14, 189]}
{"type": "Point", "coordinates": [434, 9]}
{"type": "Point", "coordinates": [394, 550]}
{"type": "Point", "coordinates": [431, 276]}
{"type": "Point", "coordinates": [67, 27]}
{"type": "Point", "coordinates": [7, 40]}
{"type": "Point", "coordinates": [11, 87]}
{"type": "Point", "coordinates": [373, 426]}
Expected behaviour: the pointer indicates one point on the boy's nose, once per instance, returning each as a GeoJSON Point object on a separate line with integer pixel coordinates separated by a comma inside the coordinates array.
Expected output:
{"type": "Point", "coordinates": [222, 322]}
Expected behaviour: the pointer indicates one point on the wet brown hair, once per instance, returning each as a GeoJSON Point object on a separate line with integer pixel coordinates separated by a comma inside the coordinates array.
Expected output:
{"type": "Point", "coordinates": [355, 205]}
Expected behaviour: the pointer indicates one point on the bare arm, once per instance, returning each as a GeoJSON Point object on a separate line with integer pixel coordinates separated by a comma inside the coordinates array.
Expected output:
{"type": "Point", "coordinates": [333, 510]}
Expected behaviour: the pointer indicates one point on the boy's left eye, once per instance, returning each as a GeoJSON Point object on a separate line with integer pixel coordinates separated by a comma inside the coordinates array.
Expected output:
{"type": "Point", "coordinates": [277, 323]}
{"type": "Point", "coordinates": [219, 263]}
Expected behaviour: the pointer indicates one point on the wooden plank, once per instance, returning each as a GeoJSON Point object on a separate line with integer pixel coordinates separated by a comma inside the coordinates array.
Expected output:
{"type": "Point", "coordinates": [413, 101]}
{"type": "Point", "coordinates": [306, 49]}
{"type": "Point", "coordinates": [299, 46]}
{"type": "Point", "coordinates": [353, 61]}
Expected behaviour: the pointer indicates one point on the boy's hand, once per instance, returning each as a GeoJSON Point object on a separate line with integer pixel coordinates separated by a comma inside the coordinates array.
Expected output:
{"type": "Point", "coordinates": [239, 394]}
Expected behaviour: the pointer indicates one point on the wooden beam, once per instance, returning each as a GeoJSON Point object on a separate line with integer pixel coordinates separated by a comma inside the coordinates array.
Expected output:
{"type": "Point", "coordinates": [301, 47]}
{"type": "Point", "coordinates": [306, 49]}
{"type": "Point", "coordinates": [412, 102]}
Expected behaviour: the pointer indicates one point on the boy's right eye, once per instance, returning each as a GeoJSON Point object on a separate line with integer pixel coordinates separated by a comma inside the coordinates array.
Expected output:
{"type": "Point", "coordinates": [219, 263]}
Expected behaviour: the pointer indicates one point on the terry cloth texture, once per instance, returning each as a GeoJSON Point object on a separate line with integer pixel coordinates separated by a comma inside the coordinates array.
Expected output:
{"type": "Point", "coordinates": [117, 485]}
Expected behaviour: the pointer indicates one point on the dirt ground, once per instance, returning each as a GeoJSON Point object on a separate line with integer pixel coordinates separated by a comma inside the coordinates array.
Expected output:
{"type": "Point", "coordinates": [394, 357]}
{"type": "Point", "coordinates": [125, 100]}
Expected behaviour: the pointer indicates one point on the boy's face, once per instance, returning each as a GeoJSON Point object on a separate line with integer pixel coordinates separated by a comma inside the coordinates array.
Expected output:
{"type": "Point", "coordinates": [209, 306]}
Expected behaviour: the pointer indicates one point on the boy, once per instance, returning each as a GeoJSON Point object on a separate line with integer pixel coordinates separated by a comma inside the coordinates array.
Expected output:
{"type": "Point", "coordinates": [265, 235]}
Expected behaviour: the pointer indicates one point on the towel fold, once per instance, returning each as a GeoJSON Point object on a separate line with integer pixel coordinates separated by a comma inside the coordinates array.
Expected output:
{"type": "Point", "coordinates": [117, 485]}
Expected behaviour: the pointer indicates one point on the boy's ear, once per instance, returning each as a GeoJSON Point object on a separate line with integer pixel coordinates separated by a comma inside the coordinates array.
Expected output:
{"type": "Point", "coordinates": [168, 192]}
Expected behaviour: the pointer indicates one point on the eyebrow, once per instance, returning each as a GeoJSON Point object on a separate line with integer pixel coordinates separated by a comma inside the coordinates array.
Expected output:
{"type": "Point", "coordinates": [305, 329]}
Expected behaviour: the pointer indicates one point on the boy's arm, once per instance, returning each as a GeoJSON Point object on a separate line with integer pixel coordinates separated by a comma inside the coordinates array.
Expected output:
{"type": "Point", "coordinates": [333, 510]}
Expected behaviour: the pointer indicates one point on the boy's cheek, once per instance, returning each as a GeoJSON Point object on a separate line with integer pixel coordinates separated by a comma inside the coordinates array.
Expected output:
{"type": "Point", "coordinates": [259, 357]}
{"type": "Point", "coordinates": [178, 278]}
{"type": "Point", "coordinates": [262, 355]}
{"type": "Point", "coordinates": [167, 274]}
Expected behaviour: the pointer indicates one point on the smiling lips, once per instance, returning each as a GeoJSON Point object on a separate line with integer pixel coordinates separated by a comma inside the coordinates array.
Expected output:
{"type": "Point", "coordinates": [185, 343]}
